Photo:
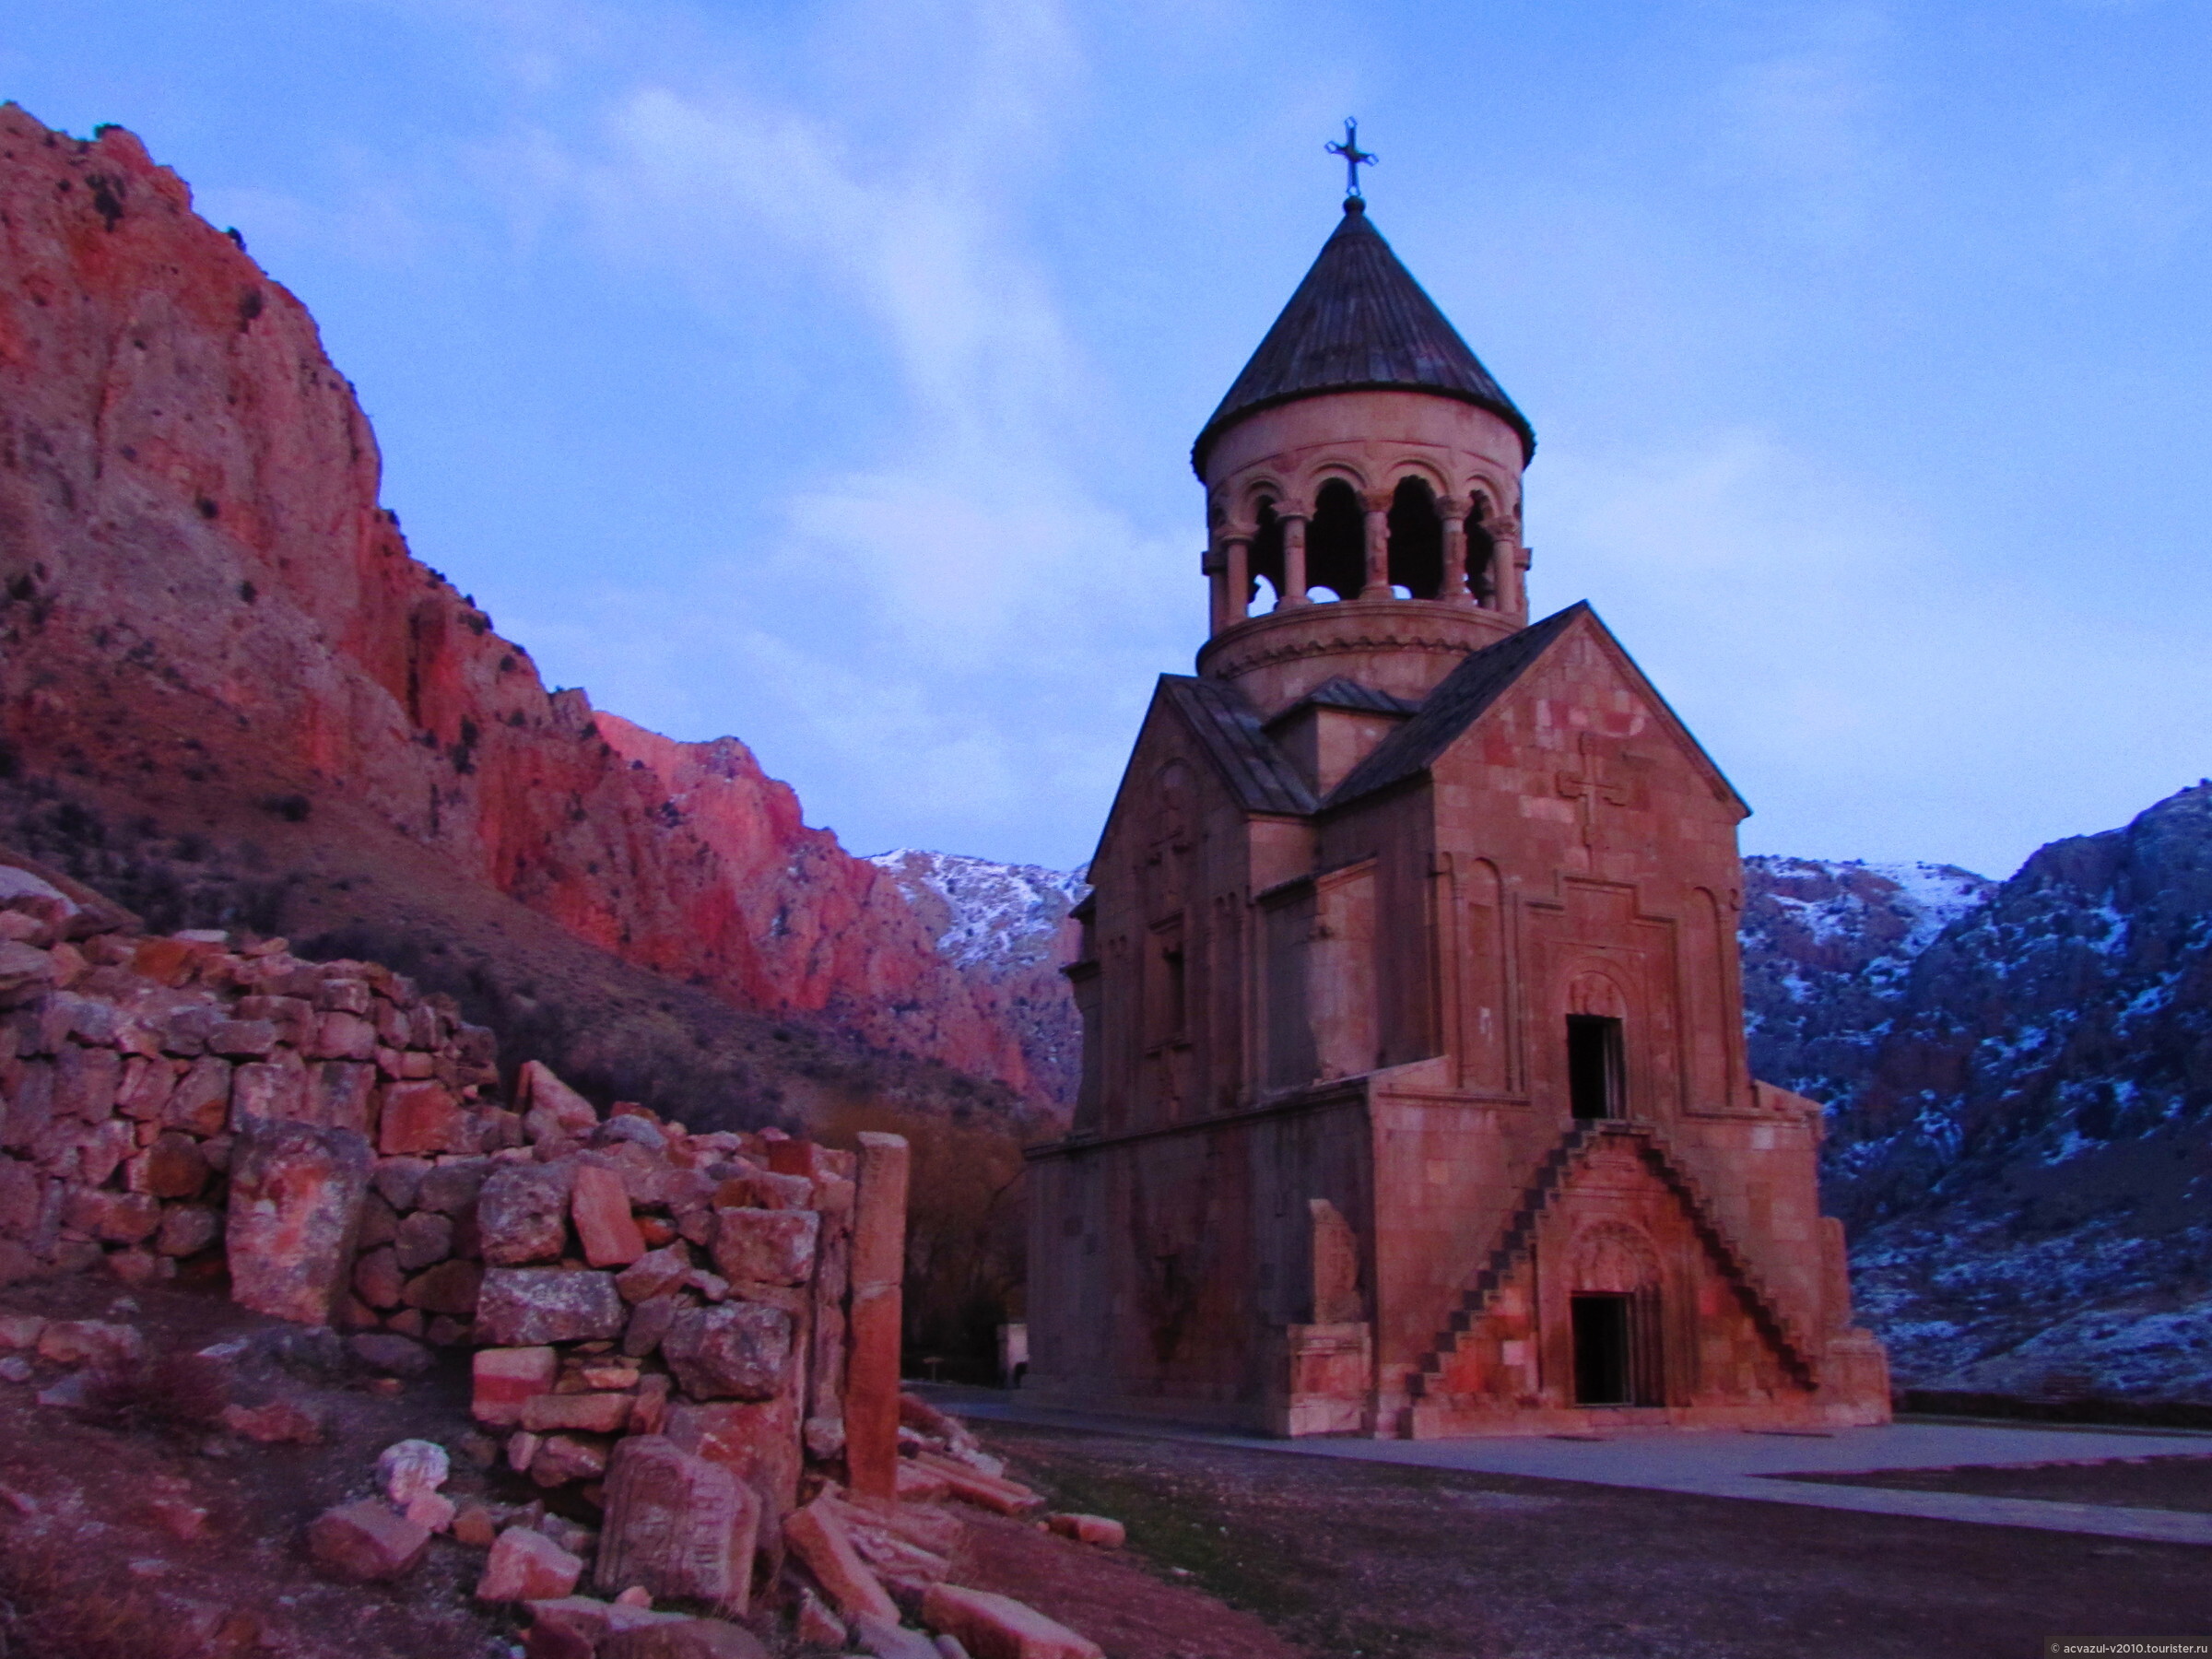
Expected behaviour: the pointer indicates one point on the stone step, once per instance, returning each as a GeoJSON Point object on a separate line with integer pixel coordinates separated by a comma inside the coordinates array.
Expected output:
{"type": "Point", "coordinates": [1795, 1352]}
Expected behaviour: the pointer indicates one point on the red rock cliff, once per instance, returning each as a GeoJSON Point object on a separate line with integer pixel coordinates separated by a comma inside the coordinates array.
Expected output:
{"type": "Point", "coordinates": [197, 585]}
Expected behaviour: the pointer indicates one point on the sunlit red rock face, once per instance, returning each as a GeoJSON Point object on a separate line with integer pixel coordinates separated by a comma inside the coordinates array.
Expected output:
{"type": "Point", "coordinates": [809, 926]}
{"type": "Point", "coordinates": [200, 594]}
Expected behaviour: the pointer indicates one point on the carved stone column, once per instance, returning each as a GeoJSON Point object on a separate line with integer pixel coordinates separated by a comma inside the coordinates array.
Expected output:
{"type": "Point", "coordinates": [1294, 561]}
{"type": "Point", "coordinates": [1454, 590]}
{"type": "Point", "coordinates": [1239, 577]}
{"type": "Point", "coordinates": [1378, 548]}
{"type": "Point", "coordinates": [1216, 568]}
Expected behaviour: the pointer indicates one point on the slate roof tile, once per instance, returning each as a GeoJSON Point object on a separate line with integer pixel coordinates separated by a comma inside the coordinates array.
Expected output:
{"type": "Point", "coordinates": [1258, 773]}
{"type": "Point", "coordinates": [1360, 322]}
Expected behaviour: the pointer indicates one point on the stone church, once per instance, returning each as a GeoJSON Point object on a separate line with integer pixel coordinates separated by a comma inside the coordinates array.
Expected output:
{"type": "Point", "coordinates": [1415, 1096]}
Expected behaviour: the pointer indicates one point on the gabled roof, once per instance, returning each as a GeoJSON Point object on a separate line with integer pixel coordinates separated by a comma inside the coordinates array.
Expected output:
{"type": "Point", "coordinates": [1360, 322]}
{"type": "Point", "coordinates": [1341, 693]}
{"type": "Point", "coordinates": [1259, 774]}
{"type": "Point", "coordinates": [1456, 704]}
{"type": "Point", "coordinates": [1470, 690]}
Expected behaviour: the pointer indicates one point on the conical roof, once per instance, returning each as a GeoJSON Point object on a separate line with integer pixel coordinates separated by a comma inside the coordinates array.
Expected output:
{"type": "Point", "coordinates": [1360, 322]}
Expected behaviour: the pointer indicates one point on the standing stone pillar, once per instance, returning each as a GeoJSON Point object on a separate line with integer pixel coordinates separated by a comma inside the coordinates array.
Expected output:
{"type": "Point", "coordinates": [1377, 585]}
{"type": "Point", "coordinates": [1294, 561]}
{"type": "Point", "coordinates": [1509, 563]}
{"type": "Point", "coordinates": [1239, 576]}
{"type": "Point", "coordinates": [1454, 590]}
{"type": "Point", "coordinates": [878, 1266]}
{"type": "Point", "coordinates": [1215, 569]}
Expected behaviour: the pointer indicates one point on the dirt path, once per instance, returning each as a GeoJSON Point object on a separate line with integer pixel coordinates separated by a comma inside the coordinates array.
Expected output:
{"type": "Point", "coordinates": [1355, 1561]}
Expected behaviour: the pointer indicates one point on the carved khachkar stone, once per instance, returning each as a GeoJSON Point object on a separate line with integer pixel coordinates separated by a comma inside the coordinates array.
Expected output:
{"type": "Point", "coordinates": [296, 1196]}
{"type": "Point", "coordinates": [678, 1525]}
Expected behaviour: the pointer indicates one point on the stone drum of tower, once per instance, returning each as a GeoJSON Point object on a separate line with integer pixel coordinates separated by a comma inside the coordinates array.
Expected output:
{"type": "Point", "coordinates": [1364, 458]}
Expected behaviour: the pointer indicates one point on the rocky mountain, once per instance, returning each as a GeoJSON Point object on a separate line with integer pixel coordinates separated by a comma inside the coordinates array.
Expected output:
{"type": "Point", "coordinates": [1005, 928]}
{"type": "Point", "coordinates": [2017, 1075]}
{"type": "Point", "coordinates": [229, 693]}
{"type": "Point", "coordinates": [2028, 1166]}
{"type": "Point", "coordinates": [1827, 949]}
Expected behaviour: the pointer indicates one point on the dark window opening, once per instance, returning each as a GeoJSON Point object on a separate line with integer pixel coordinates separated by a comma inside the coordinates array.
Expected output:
{"type": "Point", "coordinates": [1603, 1371]}
{"type": "Point", "coordinates": [1177, 1011]}
{"type": "Point", "coordinates": [1417, 540]}
{"type": "Point", "coordinates": [1593, 1066]}
{"type": "Point", "coordinates": [1336, 541]}
{"type": "Point", "coordinates": [1265, 562]}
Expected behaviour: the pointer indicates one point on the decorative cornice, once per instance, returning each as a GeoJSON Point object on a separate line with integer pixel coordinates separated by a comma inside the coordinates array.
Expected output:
{"type": "Point", "coordinates": [1411, 625]}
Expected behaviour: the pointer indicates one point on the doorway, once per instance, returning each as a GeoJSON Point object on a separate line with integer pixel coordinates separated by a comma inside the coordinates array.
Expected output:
{"type": "Point", "coordinates": [1616, 1347]}
{"type": "Point", "coordinates": [1602, 1361]}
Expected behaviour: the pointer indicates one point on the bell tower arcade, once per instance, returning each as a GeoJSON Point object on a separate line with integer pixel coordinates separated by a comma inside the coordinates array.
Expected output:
{"type": "Point", "coordinates": [1363, 490]}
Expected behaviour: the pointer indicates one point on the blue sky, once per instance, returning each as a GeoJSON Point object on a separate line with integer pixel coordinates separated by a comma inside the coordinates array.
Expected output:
{"type": "Point", "coordinates": [825, 374]}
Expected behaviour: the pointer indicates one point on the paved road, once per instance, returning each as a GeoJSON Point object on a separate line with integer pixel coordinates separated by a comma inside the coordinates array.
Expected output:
{"type": "Point", "coordinates": [1735, 1465]}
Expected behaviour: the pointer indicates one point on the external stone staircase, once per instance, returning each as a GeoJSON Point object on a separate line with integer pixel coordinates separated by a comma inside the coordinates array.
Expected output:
{"type": "Point", "coordinates": [1790, 1342]}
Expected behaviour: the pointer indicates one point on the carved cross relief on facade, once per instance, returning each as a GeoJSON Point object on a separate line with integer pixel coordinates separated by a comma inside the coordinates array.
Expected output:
{"type": "Point", "coordinates": [1597, 784]}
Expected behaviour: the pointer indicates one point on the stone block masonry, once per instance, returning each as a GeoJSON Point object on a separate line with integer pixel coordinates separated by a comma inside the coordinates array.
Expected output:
{"type": "Point", "coordinates": [695, 1335]}
{"type": "Point", "coordinates": [173, 1102]}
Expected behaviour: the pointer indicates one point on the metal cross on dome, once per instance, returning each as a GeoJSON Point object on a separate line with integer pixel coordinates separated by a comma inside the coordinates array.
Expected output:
{"type": "Point", "coordinates": [1354, 157]}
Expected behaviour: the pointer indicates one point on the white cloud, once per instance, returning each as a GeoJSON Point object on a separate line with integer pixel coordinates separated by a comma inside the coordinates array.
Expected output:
{"type": "Point", "coordinates": [1807, 111]}
{"type": "Point", "coordinates": [919, 646]}
{"type": "Point", "coordinates": [1869, 690]}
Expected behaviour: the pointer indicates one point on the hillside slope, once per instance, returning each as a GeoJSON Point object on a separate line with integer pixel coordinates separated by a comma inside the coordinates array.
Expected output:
{"type": "Point", "coordinates": [1005, 929]}
{"type": "Point", "coordinates": [2028, 1167]}
{"type": "Point", "coordinates": [214, 639]}
{"type": "Point", "coordinates": [1827, 949]}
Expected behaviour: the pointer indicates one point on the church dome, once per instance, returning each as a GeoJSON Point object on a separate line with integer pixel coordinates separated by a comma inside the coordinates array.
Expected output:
{"type": "Point", "coordinates": [1360, 322]}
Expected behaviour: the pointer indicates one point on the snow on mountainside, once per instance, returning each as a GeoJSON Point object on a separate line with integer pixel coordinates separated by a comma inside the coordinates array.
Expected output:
{"type": "Point", "coordinates": [1827, 947]}
{"type": "Point", "coordinates": [994, 914]}
{"type": "Point", "coordinates": [2026, 1164]}
{"type": "Point", "coordinates": [1004, 929]}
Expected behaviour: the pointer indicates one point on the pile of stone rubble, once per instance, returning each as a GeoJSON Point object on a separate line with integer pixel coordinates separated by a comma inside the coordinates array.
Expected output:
{"type": "Point", "coordinates": [693, 1337]}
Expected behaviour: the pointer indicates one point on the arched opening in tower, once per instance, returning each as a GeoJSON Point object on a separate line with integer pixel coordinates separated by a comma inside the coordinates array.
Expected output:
{"type": "Point", "coordinates": [1417, 540]}
{"type": "Point", "coordinates": [1482, 557]}
{"type": "Point", "coordinates": [1336, 541]}
{"type": "Point", "coordinates": [1265, 560]}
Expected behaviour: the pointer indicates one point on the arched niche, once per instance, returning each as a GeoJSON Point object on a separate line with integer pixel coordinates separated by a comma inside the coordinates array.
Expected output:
{"type": "Point", "coordinates": [1336, 541]}
{"type": "Point", "coordinates": [1416, 539]}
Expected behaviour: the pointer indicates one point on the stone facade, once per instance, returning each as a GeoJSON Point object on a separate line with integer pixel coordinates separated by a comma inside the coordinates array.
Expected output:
{"type": "Point", "coordinates": [1415, 1099]}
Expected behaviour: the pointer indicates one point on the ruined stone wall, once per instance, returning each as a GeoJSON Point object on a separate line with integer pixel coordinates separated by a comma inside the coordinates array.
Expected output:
{"type": "Point", "coordinates": [151, 1085]}
{"type": "Point", "coordinates": [339, 1149]}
